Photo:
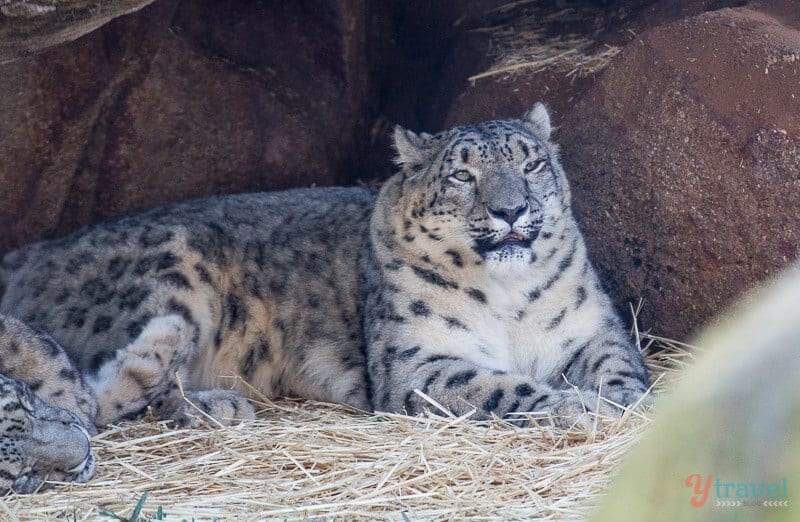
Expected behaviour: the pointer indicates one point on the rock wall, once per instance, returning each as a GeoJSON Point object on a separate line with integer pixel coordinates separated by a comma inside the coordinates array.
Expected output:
{"type": "Point", "coordinates": [181, 100]}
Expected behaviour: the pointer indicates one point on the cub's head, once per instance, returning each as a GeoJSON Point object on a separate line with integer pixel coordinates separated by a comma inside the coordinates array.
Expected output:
{"type": "Point", "coordinates": [39, 441]}
{"type": "Point", "coordinates": [482, 193]}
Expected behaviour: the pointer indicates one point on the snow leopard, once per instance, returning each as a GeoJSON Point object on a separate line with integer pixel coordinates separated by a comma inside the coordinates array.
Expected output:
{"type": "Point", "coordinates": [463, 284]}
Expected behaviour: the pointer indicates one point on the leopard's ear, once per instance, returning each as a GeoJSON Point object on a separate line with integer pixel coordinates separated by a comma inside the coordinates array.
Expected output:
{"type": "Point", "coordinates": [538, 120]}
{"type": "Point", "coordinates": [412, 149]}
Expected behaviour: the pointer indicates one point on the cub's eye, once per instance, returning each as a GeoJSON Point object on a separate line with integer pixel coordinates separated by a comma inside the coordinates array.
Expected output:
{"type": "Point", "coordinates": [462, 176]}
{"type": "Point", "coordinates": [25, 401]}
{"type": "Point", "coordinates": [532, 167]}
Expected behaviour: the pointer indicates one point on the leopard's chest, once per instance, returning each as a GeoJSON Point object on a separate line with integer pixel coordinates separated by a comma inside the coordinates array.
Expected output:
{"type": "Point", "coordinates": [507, 331]}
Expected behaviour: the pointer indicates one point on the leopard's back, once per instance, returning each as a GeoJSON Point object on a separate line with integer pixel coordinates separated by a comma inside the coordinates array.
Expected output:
{"type": "Point", "coordinates": [256, 276]}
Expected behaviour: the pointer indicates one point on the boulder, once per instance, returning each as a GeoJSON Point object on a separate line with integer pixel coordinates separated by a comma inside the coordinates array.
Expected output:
{"type": "Point", "coordinates": [686, 164]}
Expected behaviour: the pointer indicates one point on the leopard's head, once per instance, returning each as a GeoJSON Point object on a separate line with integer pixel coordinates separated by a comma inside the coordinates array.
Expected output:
{"type": "Point", "coordinates": [483, 192]}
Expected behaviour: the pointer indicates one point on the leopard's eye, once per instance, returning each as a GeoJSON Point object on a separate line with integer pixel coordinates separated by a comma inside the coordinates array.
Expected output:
{"type": "Point", "coordinates": [462, 176]}
{"type": "Point", "coordinates": [532, 167]}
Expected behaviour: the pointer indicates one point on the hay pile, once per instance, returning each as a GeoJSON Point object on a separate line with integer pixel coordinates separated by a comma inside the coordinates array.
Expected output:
{"type": "Point", "coordinates": [304, 460]}
{"type": "Point", "coordinates": [528, 36]}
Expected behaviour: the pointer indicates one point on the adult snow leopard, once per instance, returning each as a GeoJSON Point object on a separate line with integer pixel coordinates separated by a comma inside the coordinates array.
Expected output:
{"type": "Point", "coordinates": [464, 280]}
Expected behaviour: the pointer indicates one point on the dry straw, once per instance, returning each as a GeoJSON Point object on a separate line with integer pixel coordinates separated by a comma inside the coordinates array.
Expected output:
{"type": "Point", "coordinates": [528, 36]}
{"type": "Point", "coordinates": [304, 460]}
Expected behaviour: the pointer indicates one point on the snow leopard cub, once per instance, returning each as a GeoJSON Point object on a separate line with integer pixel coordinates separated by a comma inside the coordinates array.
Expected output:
{"type": "Point", "coordinates": [465, 280]}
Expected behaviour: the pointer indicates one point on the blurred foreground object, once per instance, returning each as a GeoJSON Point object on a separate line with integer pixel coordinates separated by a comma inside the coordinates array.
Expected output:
{"type": "Point", "coordinates": [726, 444]}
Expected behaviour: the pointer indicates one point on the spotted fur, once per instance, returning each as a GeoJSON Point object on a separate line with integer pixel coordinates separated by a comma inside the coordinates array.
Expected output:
{"type": "Point", "coordinates": [465, 280]}
{"type": "Point", "coordinates": [41, 440]}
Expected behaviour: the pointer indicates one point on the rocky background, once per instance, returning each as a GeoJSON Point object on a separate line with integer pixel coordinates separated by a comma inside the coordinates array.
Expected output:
{"type": "Point", "coordinates": [679, 121]}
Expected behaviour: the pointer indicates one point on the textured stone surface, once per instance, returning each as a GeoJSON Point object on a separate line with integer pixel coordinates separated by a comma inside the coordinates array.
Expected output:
{"type": "Point", "coordinates": [181, 100]}
{"type": "Point", "coordinates": [687, 155]}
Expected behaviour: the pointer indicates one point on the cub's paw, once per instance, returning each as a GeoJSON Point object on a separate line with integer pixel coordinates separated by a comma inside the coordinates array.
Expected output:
{"type": "Point", "coordinates": [39, 442]}
{"type": "Point", "coordinates": [206, 408]}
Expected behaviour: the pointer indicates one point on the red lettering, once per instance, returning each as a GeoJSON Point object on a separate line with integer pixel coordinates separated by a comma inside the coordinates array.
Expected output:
{"type": "Point", "coordinates": [695, 481]}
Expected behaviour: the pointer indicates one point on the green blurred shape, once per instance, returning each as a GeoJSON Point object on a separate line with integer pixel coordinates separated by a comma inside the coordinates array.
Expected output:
{"type": "Point", "coordinates": [734, 416]}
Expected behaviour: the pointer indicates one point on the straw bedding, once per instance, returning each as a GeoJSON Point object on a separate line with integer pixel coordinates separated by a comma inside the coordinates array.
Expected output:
{"type": "Point", "coordinates": [304, 460]}
{"type": "Point", "coordinates": [528, 36]}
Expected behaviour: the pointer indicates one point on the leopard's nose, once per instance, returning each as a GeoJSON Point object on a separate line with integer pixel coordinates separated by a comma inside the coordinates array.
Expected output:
{"type": "Point", "coordinates": [509, 215]}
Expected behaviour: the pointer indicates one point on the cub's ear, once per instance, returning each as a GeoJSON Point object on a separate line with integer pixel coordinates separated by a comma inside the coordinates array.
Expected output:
{"type": "Point", "coordinates": [538, 119]}
{"type": "Point", "coordinates": [412, 149]}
